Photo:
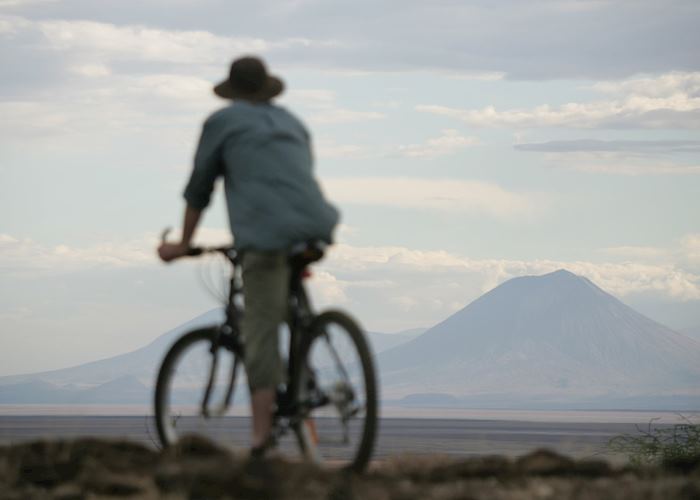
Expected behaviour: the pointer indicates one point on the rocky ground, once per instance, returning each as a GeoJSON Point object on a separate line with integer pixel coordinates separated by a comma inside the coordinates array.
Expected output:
{"type": "Point", "coordinates": [97, 469]}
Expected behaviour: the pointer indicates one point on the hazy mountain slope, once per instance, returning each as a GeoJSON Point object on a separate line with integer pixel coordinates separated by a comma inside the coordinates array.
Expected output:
{"type": "Point", "coordinates": [384, 341]}
{"type": "Point", "coordinates": [141, 363]}
{"type": "Point", "coordinates": [552, 334]}
{"type": "Point", "coordinates": [126, 377]}
{"type": "Point", "coordinates": [693, 332]}
{"type": "Point", "coordinates": [556, 337]}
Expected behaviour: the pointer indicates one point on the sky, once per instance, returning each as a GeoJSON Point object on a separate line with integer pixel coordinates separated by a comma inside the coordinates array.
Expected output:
{"type": "Point", "coordinates": [465, 143]}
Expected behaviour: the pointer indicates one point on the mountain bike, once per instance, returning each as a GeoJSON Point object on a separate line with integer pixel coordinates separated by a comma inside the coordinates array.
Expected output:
{"type": "Point", "coordinates": [329, 401]}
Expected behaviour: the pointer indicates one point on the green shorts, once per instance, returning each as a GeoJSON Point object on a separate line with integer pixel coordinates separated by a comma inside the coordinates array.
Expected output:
{"type": "Point", "coordinates": [265, 289]}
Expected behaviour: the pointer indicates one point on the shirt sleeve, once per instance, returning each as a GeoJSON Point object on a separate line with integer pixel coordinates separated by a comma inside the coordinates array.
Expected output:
{"type": "Point", "coordinates": [207, 166]}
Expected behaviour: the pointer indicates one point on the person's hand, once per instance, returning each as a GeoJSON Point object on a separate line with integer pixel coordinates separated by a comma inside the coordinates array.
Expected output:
{"type": "Point", "coordinates": [172, 251]}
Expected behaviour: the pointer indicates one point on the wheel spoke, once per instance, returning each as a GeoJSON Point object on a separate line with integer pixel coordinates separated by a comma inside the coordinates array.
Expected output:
{"type": "Point", "coordinates": [339, 364]}
{"type": "Point", "coordinates": [194, 388]}
{"type": "Point", "coordinates": [336, 358]}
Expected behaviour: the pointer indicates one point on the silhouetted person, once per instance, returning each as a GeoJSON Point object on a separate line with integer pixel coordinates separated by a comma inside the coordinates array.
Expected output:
{"type": "Point", "coordinates": [263, 153]}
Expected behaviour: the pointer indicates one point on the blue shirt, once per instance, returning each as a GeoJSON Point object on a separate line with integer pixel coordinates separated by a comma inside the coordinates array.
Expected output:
{"type": "Point", "coordinates": [263, 153]}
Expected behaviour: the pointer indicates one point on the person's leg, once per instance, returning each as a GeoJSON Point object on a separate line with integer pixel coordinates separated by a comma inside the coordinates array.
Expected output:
{"type": "Point", "coordinates": [265, 288]}
{"type": "Point", "coordinates": [262, 404]}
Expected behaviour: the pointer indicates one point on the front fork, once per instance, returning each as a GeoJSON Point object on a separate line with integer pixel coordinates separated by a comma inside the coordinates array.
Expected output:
{"type": "Point", "coordinates": [224, 336]}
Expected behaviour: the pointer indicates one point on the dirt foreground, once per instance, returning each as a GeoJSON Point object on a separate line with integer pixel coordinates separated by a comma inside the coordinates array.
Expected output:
{"type": "Point", "coordinates": [197, 469]}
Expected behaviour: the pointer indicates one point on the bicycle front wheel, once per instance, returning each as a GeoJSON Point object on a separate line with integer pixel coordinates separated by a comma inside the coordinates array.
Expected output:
{"type": "Point", "coordinates": [197, 365]}
{"type": "Point", "coordinates": [336, 393]}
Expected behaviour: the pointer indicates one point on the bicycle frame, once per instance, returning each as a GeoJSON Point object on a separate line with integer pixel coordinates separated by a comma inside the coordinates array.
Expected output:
{"type": "Point", "coordinates": [309, 383]}
{"type": "Point", "coordinates": [229, 335]}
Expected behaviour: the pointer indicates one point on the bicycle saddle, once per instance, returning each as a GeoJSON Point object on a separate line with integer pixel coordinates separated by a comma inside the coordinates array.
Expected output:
{"type": "Point", "coordinates": [307, 252]}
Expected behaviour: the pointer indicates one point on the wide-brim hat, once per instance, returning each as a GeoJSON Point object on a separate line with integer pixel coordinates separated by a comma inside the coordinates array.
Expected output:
{"type": "Point", "coordinates": [249, 79]}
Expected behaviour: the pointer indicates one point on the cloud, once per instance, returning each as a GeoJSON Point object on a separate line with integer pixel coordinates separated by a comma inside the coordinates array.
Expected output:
{"type": "Point", "coordinates": [144, 43]}
{"type": "Point", "coordinates": [311, 97]}
{"type": "Point", "coordinates": [398, 287]}
{"type": "Point", "coordinates": [101, 107]}
{"type": "Point", "coordinates": [487, 76]}
{"type": "Point", "coordinates": [685, 252]}
{"type": "Point", "coordinates": [606, 159]}
{"type": "Point", "coordinates": [619, 278]}
{"type": "Point", "coordinates": [671, 84]}
{"type": "Point", "coordinates": [323, 108]}
{"type": "Point", "coordinates": [329, 289]}
{"type": "Point", "coordinates": [18, 3]}
{"type": "Point", "coordinates": [343, 115]}
{"type": "Point", "coordinates": [620, 157]}
{"type": "Point", "coordinates": [446, 195]}
{"type": "Point", "coordinates": [21, 256]}
{"type": "Point", "coordinates": [92, 70]}
{"type": "Point", "coordinates": [668, 101]}
{"type": "Point", "coordinates": [621, 168]}
{"type": "Point", "coordinates": [328, 148]}
{"type": "Point", "coordinates": [637, 253]}
{"type": "Point", "coordinates": [389, 287]}
{"type": "Point", "coordinates": [595, 145]}
{"type": "Point", "coordinates": [478, 39]}
{"type": "Point", "coordinates": [690, 248]}
{"type": "Point", "coordinates": [450, 141]}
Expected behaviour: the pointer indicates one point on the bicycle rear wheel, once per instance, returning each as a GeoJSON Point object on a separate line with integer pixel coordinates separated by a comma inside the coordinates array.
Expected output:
{"type": "Point", "coordinates": [195, 361]}
{"type": "Point", "coordinates": [336, 393]}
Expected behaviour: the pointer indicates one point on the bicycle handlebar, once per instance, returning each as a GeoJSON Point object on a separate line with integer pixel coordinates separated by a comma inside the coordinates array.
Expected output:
{"type": "Point", "coordinates": [197, 251]}
{"type": "Point", "coordinates": [310, 253]}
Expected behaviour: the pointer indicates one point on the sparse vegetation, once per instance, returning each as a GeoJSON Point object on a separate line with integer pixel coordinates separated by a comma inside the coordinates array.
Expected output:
{"type": "Point", "coordinates": [659, 445]}
{"type": "Point", "coordinates": [197, 468]}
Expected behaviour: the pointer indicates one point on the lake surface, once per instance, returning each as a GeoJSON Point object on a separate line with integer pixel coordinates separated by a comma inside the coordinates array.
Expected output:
{"type": "Point", "coordinates": [402, 431]}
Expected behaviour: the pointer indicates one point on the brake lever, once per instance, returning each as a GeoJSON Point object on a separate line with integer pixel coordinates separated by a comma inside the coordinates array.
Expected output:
{"type": "Point", "coordinates": [164, 234]}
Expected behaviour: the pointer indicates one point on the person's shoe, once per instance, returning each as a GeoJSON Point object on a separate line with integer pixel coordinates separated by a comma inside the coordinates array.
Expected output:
{"type": "Point", "coordinates": [257, 452]}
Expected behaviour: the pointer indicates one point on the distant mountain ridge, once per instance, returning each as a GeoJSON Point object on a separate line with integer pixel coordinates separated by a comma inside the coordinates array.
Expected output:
{"type": "Point", "coordinates": [128, 377]}
{"type": "Point", "coordinates": [551, 341]}
{"type": "Point", "coordinates": [556, 337]}
{"type": "Point", "coordinates": [693, 332]}
{"type": "Point", "coordinates": [139, 364]}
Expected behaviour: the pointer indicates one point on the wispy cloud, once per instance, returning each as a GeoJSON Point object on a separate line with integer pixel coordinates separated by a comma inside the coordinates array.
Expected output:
{"type": "Point", "coordinates": [424, 287]}
{"type": "Point", "coordinates": [17, 3]}
{"type": "Point", "coordinates": [21, 256]}
{"type": "Point", "coordinates": [674, 84]}
{"type": "Point", "coordinates": [448, 195]}
{"type": "Point", "coordinates": [645, 272]}
{"type": "Point", "coordinates": [621, 157]}
{"type": "Point", "coordinates": [343, 115]}
{"type": "Point", "coordinates": [144, 43]}
{"type": "Point", "coordinates": [390, 287]}
{"type": "Point", "coordinates": [596, 145]}
{"type": "Point", "coordinates": [685, 252]}
{"type": "Point", "coordinates": [668, 101]}
{"type": "Point", "coordinates": [623, 167]}
{"type": "Point", "coordinates": [475, 39]}
{"type": "Point", "coordinates": [323, 107]}
{"type": "Point", "coordinates": [450, 141]}
{"type": "Point", "coordinates": [328, 148]}
{"type": "Point", "coordinates": [99, 107]}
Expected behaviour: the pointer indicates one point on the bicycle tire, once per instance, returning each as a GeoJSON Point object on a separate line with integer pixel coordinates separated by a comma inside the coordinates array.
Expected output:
{"type": "Point", "coordinates": [310, 439]}
{"type": "Point", "coordinates": [195, 343]}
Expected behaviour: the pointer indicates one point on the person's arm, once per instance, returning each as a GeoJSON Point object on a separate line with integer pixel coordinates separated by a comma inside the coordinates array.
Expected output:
{"type": "Point", "coordinates": [207, 167]}
{"type": "Point", "coordinates": [189, 224]}
{"type": "Point", "coordinates": [172, 251]}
